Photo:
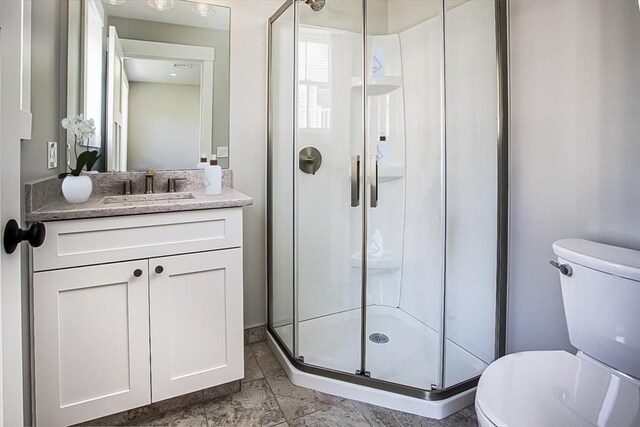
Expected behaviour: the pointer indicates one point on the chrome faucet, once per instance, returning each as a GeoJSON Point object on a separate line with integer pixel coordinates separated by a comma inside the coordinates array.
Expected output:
{"type": "Point", "coordinates": [148, 183]}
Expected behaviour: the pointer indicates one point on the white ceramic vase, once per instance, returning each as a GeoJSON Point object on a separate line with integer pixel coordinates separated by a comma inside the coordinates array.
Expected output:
{"type": "Point", "coordinates": [77, 189]}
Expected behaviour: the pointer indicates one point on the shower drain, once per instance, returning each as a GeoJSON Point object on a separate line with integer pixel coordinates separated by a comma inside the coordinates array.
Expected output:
{"type": "Point", "coordinates": [379, 338]}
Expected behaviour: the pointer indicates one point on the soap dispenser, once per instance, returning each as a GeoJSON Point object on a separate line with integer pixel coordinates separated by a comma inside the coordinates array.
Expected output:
{"type": "Point", "coordinates": [213, 176]}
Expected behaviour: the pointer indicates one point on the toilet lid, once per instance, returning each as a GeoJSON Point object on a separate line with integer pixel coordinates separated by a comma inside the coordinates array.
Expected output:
{"type": "Point", "coordinates": [555, 388]}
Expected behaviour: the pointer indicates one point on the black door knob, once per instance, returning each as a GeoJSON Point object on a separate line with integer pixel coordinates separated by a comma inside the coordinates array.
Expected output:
{"type": "Point", "coordinates": [159, 269]}
{"type": "Point", "coordinates": [13, 235]}
{"type": "Point", "coordinates": [137, 272]}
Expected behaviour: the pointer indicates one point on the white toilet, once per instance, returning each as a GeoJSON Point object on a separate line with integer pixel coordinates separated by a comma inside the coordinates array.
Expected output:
{"type": "Point", "coordinates": [600, 386]}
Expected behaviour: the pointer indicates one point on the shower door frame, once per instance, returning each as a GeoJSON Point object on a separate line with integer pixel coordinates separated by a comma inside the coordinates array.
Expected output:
{"type": "Point", "coordinates": [502, 153]}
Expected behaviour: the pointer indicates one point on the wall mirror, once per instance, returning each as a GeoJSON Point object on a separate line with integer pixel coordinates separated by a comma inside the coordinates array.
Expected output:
{"type": "Point", "coordinates": [154, 76]}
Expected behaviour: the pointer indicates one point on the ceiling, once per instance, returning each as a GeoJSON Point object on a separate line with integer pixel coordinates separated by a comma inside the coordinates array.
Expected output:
{"type": "Point", "coordinates": [181, 14]}
{"type": "Point", "coordinates": [161, 70]}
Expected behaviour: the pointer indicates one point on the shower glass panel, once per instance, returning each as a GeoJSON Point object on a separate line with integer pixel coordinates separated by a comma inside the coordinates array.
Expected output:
{"type": "Point", "coordinates": [405, 240]}
{"type": "Point", "coordinates": [281, 170]}
{"type": "Point", "coordinates": [387, 190]}
{"type": "Point", "coordinates": [329, 216]}
{"type": "Point", "coordinates": [472, 191]}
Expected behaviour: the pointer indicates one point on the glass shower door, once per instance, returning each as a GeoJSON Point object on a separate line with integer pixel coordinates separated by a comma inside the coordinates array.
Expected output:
{"type": "Point", "coordinates": [329, 151]}
{"type": "Point", "coordinates": [405, 213]}
{"type": "Point", "coordinates": [280, 177]}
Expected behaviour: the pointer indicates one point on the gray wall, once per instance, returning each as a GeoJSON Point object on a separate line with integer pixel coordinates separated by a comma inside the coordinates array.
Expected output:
{"type": "Point", "coordinates": [161, 136]}
{"type": "Point", "coordinates": [171, 33]}
{"type": "Point", "coordinates": [575, 148]}
{"type": "Point", "coordinates": [248, 136]}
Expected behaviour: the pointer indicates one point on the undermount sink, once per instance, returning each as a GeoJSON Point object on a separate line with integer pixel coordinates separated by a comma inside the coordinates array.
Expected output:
{"type": "Point", "coordinates": [147, 198]}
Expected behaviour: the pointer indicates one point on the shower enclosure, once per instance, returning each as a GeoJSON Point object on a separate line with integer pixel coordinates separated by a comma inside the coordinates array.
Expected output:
{"type": "Point", "coordinates": [387, 190]}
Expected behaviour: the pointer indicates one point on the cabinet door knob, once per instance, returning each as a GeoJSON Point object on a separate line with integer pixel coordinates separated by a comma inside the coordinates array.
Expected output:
{"type": "Point", "coordinates": [137, 272]}
{"type": "Point", "coordinates": [159, 269]}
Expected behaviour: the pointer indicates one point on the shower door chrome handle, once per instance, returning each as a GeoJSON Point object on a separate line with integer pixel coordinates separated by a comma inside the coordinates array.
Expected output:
{"type": "Point", "coordinates": [374, 181]}
{"type": "Point", "coordinates": [355, 181]}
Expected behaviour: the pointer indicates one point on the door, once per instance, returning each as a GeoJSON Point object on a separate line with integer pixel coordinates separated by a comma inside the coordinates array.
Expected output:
{"type": "Point", "coordinates": [116, 83]}
{"type": "Point", "coordinates": [14, 123]}
{"type": "Point", "coordinates": [405, 210]}
{"type": "Point", "coordinates": [328, 196]}
{"type": "Point", "coordinates": [91, 341]}
{"type": "Point", "coordinates": [196, 321]}
{"type": "Point", "coordinates": [124, 140]}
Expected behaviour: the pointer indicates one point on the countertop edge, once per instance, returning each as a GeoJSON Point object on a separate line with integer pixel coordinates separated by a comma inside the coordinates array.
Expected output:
{"type": "Point", "coordinates": [44, 214]}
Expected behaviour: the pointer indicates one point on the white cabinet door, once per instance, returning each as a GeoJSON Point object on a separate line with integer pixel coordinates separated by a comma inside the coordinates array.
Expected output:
{"type": "Point", "coordinates": [91, 341]}
{"type": "Point", "coordinates": [196, 321]}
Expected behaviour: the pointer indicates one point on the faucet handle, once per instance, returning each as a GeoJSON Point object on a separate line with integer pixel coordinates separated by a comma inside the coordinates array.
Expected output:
{"type": "Point", "coordinates": [171, 184]}
{"type": "Point", "coordinates": [126, 186]}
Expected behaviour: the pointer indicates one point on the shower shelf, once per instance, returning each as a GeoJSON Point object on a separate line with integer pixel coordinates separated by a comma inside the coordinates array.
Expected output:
{"type": "Point", "coordinates": [388, 261]}
{"type": "Point", "coordinates": [387, 173]}
{"type": "Point", "coordinates": [378, 85]}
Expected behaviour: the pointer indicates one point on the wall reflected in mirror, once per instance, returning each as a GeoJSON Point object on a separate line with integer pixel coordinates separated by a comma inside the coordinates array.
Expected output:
{"type": "Point", "coordinates": [154, 76]}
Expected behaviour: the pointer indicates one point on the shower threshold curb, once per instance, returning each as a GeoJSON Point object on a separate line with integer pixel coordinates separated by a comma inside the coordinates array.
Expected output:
{"type": "Point", "coordinates": [437, 409]}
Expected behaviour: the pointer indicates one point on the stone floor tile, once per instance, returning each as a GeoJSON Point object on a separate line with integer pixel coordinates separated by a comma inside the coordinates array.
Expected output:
{"type": "Point", "coordinates": [468, 411]}
{"type": "Point", "coordinates": [252, 370]}
{"type": "Point", "coordinates": [458, 419]}
{"type": "Point", "coordinates": [188, 417]}
{"type": "Point", "coordinates": [212, 393]}
{"type": "Point", "coordinates": [266, 360]}
{"type": "Point", "coordinates": [298, 401]}
{"type": "Point", "coordinates": [256, 334]}
{"type": "Point", "coordinates": [412, 420]}
{"type": "Point", "coordinates": [333, 416]}
{"type": "Point", "coordinates": [254, 405]}
{"type": "Point", "coordinates": [376, 415]}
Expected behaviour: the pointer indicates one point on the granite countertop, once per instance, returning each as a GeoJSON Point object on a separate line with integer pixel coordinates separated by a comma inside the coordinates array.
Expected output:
{"type": "Point", "coordinates": [46, 203]}
{"type": "Point", "coordinates": [60, 209]}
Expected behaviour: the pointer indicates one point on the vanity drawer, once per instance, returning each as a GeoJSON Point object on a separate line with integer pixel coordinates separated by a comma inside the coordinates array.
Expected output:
{"type": "Point", "coordinates": [80, 242]}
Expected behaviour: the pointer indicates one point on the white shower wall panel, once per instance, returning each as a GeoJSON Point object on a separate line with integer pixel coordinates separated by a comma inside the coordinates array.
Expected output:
{"type": "Point", "coordinates": [472, 167]}
{"type": "Point", "coordinates": [386, 221]}
{"type": "Point", "coordinates": [421, 269]}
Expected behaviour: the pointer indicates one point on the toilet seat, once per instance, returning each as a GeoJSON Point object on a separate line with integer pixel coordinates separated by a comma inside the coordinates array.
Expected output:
{"type": "Point", "coordinates": [555, 388]}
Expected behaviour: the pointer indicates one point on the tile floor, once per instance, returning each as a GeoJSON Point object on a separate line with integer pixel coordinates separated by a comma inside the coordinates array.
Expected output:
{"type": "Point", "coordinates": [267, 398]}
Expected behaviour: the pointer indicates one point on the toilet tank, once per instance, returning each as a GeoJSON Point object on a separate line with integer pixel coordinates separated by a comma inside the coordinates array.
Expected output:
{"type": "Point", "coordinates": [601, 300]}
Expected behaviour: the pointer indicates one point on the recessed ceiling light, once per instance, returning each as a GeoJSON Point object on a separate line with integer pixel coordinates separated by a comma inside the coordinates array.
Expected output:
{"type": "Point", "coordinates": [202, 9]}
{"type": "Point", "coordinates": [161, 4]}
{"type": "Point", "coordinates": [173, 74]}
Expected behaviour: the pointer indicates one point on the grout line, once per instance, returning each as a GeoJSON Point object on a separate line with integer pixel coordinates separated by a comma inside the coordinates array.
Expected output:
{"type": "Point", "coordinates": [277, 401]}
{"type": "Point", "coordinates": [206, 417]}
{"type": "Point", "coordinates": [306, 415]}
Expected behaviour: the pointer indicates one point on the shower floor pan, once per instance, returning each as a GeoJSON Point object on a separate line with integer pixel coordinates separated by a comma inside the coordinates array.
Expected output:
{"type": "Point", "coordinates": [409, 357]}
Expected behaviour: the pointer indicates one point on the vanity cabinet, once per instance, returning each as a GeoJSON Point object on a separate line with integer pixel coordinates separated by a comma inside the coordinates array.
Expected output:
{"type": "Point", "coordinates": [195, 307]}
{"type": "Point", "coordinates": [91, 341]}
{"type": "Point", "coordinates": [157, 313]}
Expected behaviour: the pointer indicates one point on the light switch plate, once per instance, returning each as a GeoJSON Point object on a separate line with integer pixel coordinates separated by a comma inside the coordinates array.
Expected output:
{"type": "Point", "coordinates": [222, 152]}
{"type": "Point", "coordinates": [52, 155]}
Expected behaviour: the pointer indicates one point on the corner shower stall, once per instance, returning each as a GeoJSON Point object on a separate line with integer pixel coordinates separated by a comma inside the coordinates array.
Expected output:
{"type": "Point", "coordinates": [387, 191]}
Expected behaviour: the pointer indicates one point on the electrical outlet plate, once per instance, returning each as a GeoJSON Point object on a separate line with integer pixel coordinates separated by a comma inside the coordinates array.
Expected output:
{"type": "Point", "coordinates": [52, 155]}
{"type": "Point", "coordinates": [222, 152]}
